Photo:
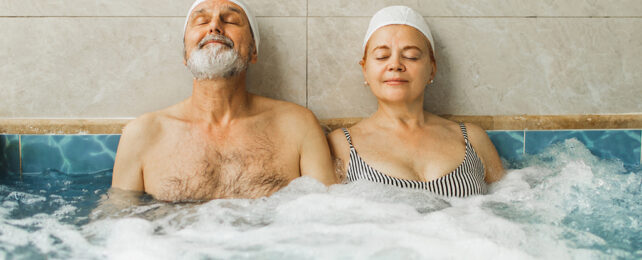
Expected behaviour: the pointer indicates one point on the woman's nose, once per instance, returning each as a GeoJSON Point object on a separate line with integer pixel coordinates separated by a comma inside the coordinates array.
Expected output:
{"type": "Point", "coordinates": [396, 65]}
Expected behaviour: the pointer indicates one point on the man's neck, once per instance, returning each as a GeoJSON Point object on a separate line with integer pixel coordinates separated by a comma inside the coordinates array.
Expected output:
{"type": "Point", "coordinates": [219, 101]}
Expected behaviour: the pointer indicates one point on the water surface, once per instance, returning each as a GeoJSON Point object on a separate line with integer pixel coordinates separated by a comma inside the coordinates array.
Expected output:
{"type": "Point", "coordinates": [563, 203]}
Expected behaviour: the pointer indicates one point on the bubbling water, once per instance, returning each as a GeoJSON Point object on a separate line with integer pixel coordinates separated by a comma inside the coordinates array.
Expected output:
{"type": "Point", "coordinates": [564, 203]}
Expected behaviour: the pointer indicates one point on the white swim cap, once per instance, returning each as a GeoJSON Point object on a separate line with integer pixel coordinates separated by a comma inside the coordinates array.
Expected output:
{"type": "Point", "coordinates": [253, 25]}
{"type": "Point", "coordinates": [398, 14]}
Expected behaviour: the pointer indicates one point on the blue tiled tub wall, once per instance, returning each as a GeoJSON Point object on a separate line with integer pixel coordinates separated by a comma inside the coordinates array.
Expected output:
{"type": "Point", "coordinates": [92, 153]}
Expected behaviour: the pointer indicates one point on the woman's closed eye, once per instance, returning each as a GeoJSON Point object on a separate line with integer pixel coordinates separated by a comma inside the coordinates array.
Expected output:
{"type": "Point", "coordinates": [382, 57]}
{"type": "Point", "coordinates": [411, 54]}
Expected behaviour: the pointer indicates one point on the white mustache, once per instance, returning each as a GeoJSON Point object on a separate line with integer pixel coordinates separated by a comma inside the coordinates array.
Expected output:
{"type": "Point", "coordinates": [216, 37]}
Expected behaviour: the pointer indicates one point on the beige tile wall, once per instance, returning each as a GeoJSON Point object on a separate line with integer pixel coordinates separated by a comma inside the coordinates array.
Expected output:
{"type": "Point", "coordinates": [119, 58]}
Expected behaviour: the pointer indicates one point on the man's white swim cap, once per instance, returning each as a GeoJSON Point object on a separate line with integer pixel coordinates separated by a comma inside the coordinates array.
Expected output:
{"type": "Point", "coordinates": [253, 25]}
{"type": "Point", "coordinates": [398, 14]}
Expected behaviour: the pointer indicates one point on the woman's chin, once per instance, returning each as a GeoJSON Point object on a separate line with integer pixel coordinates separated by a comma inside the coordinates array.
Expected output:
{"type": "Point", "coordinates": [396, 96]}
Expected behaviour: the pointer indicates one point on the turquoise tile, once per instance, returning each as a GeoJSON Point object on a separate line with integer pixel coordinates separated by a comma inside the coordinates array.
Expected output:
{"type": "Point", "coordinates": [10, 155]}
{"type": "Point", "coordinates": [606, 144]}
{"type": "Point", "coordinates": [68, 153]}
{"type": "Point", "coordinates": [509, 145]}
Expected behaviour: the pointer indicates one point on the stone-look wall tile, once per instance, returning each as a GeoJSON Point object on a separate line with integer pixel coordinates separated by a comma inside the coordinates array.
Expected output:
{"type": "Point", "coordinates": [68, 153]}
{"type": "Point", "coordinates": [124, 67]}
{"type": "Point", "coordinates": [606, 144]}
{"type": "Point", "coordinates": [278, 8]}
{"type": "Point", "coordinates": [137, 8]}
{"type": "Point", "coordinates": [280, 70]}
{"type": "Point", "coordinates": [9, 155]}
{"type": "Point", "coordinates": [501, 66]}
{"type": "Point", "coordinates": [493, 8]}
{"type": "Point", "coordinates": [91, 67]}
{"type": "Point", "coordinates": [335, 82]}
{"type": "Point", "coordinates": [536, 66]}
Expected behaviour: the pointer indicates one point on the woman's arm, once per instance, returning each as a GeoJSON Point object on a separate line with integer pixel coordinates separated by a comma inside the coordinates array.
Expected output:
{"type": "Point", "coordinates": [494, 170]}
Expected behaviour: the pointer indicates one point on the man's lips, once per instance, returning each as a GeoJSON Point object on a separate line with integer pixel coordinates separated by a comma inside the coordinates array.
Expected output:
{"type": "Point", "coordinates": [214, 42]}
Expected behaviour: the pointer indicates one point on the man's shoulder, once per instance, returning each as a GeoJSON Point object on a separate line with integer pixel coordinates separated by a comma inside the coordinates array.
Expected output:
{"type": "Point", "coordinates": [285, 111]}
{"type": "Point", "coordinates": [152, 122]}
{"type": "Point", "coordinates": [143, 126]}
{"type": "Point", "coordinates": [291, 120]}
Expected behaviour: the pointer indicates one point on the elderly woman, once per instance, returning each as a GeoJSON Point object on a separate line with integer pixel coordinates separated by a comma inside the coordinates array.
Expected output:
{"type": "Point", "coordinates": [401, 144]}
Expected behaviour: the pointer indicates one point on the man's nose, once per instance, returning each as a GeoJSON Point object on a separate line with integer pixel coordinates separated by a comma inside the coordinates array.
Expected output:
{"type": "Point", "coordinates": [216, 27]}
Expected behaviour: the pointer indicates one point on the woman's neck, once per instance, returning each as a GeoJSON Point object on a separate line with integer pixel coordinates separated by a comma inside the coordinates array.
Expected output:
{"type": "Point", "coordinates": [400, 114]}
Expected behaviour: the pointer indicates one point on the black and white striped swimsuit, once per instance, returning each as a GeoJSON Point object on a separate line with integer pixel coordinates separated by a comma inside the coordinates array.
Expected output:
{"type": "Point", "coordinates": [466, 180]}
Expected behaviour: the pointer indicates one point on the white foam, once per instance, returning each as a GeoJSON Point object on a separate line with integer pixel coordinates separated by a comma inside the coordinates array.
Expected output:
{"type": "Point", "coordinates": [573, 206]}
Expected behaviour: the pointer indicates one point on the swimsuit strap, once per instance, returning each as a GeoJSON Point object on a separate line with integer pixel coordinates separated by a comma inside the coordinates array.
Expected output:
{"type": "Point", "coordinates": [345, 131]}
{"type": "Point", "coordinates": [463, 131]}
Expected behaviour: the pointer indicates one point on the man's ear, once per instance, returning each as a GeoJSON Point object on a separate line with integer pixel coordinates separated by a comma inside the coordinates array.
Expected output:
{"type": "Point", "coordinates": [255, 56]}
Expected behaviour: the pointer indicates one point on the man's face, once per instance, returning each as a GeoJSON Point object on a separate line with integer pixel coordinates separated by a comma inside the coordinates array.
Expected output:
{"type": "Point", "coordinates": [218, 37]}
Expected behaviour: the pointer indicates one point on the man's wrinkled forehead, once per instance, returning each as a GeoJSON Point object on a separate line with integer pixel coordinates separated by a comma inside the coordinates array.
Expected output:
{"type": "Point", "coordinates": [205, 7]}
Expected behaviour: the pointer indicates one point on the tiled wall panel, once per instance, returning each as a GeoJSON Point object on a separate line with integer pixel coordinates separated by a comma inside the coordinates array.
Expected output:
{"type": "Point", "coordinates": [509, 145]}
{"type": "Point", "coordinates": [137, 7]}
{"type": "Point", "coordinates": [90, 153]}
{"type": "Point", "coordinates": [607, 144]}
{"type": "Point", "coordinates": [492, 8]}
{"type": "Point", "coordinates": [97, 59]}
{"type": "Point", "coordinates": [500, 66]}
{"type": "Point", "coordinates": [124, 67]}
{"type": "Point", "coordinates": [9, 154]}
{"type": "Point", "coordinates": [68, 153]}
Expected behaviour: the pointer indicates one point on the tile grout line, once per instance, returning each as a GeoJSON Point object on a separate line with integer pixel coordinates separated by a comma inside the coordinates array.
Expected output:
{"type": "Point", "coordinates": [524, 147]}
{"type": "Point", "coordinates": [20, 155]}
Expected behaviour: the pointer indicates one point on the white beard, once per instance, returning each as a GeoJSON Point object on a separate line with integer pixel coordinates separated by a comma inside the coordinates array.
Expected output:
{"type": "Point", "coordinates": [215, 61]}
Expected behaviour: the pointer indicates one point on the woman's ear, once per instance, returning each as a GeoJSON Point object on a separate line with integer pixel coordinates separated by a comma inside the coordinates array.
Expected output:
{"type": "Point", "coordinates": [434, 70]}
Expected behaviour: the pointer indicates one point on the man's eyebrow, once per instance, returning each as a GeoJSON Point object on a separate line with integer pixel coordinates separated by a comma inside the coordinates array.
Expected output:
{"type": "Point", "coordinates": [233, 9]}
{"type": "Point", "coordinates": [197, 13]}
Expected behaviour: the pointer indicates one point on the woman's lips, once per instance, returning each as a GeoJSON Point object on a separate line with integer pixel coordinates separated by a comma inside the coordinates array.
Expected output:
{"type": "Point", "coordinates": [395, 82]}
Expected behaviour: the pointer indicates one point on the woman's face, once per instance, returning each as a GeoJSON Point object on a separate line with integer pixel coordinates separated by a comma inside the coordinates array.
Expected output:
{"type": "Point", "coordinates": [397, 63]}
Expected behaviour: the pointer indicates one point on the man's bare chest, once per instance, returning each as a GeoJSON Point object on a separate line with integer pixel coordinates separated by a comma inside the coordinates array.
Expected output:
{"type": "Point", "coordinates": [199, 169]}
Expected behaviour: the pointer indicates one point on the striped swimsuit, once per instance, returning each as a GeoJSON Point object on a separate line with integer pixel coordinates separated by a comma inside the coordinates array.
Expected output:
{"type": "Point", "coordinates": [466, 180]}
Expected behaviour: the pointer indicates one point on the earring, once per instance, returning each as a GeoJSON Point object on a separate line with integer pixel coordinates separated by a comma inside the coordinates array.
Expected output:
{"type": "Point", "coordinates": [366, 83]}
{"type": "Point", "coordinates": [429, 83]}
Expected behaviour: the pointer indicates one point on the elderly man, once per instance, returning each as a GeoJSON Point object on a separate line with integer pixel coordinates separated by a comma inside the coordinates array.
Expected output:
{"type": "Point", "coordinates": [222, 142]}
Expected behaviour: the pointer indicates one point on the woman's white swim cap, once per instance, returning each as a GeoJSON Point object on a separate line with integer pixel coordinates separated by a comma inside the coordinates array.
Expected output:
{"type": "Point", "coordinates": [398, 14]}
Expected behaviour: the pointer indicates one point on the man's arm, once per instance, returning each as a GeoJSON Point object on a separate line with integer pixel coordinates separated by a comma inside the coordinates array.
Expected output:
{"type": "Point", "coordinates": [340, 151]}
{"type": "Point", "coordinates": [128, 171]}
{"type": "Point", "coordinates": [315, 160]}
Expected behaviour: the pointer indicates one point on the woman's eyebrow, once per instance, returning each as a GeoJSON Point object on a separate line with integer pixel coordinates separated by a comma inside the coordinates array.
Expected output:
{"type": "Point", "coordinates": [412, 47]}
{"type": "Point", "coordinates": [385, 47]}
